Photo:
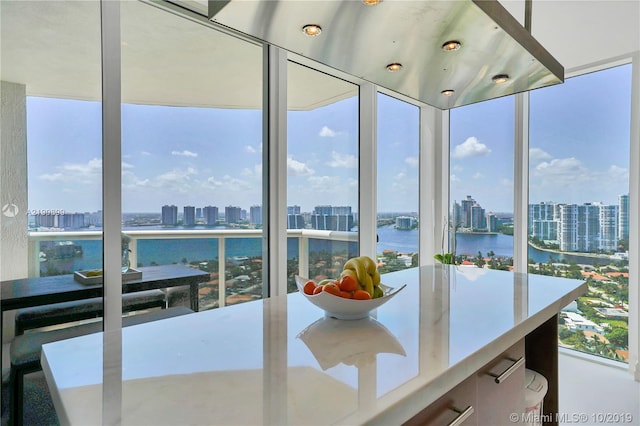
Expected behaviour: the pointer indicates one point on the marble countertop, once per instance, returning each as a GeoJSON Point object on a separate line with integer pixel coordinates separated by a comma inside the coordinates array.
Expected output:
{"type": "Point", "coordinates": [281, 361]}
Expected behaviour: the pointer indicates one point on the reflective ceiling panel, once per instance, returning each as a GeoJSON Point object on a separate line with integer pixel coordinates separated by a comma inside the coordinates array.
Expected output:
{"type": "Point", "coordinates": [362, 40]}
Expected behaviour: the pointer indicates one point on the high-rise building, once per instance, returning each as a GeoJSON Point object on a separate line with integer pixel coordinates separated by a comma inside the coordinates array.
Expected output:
{"type": "Point", "coordinates": [623, 217]}
{"type": "Point", "coordinates": [465, 212]}
{"type": "Point", "coordinates": [199, 213]}
{"type": "Point", "coordinates": [541, 212]}
{"type": "Point", "coordinates": [93, 219]}
{"type": "Point", "coordinates": [492, 222]}
{"type": "Point", "coordinates": [469, 214]}
{"type": "Point", "coordinates": [295, 221]}
{"type": "Point", "coordinates": [232, 214]}
{"type": "Point", "coordinates": [332, 218]}
{"type": "Point", "coordinates": [210, 215]}
{"type": "Point", "coordinates": [545, 230]}
{"type": "Point", "coordinates": [405, 222]}
{"type": "Point", "coordinates": [608, 228]}
{"type": "Point", "coordinates": [293, 210]}
{"type": "Point", "coordinates": [255, 215]}
{"type": "Point", "coordinates": [189, 215]}
{"type": "Point", "coordinates": [323, 210]}
{"type": "Point", "coordinates": [568, 228]}
{"type": "Point", "coordinates": [169, 215]}
{"type": "Point", "coordinates": [588, 228]}
{"type": "Point", "coordinates": [478, 221]}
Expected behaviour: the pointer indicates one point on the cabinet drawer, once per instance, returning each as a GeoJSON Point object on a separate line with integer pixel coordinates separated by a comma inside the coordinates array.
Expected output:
{"type": "Point", "coordinates": [500, 387]}
{"type": "Point", "coordinates": [450, 407]}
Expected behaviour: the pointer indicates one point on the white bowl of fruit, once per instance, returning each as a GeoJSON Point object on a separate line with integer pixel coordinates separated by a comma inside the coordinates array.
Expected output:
{"type": "Point", "coordinates": [351, 296]}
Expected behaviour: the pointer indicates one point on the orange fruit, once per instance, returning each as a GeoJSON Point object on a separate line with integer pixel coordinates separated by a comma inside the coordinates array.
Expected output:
{"type": "Point", "coordinates": [309, 286]}
{"type": "Point", "coordinates": [332, 288]}
{"type": "Point", "coordinates": [361, 295]}
{"type": "Point", "coordinates": [318, 289]}
{"type": "Point", "coordinates": [345, 294]}
{"type": "Point", "coordinates": [348, 283]}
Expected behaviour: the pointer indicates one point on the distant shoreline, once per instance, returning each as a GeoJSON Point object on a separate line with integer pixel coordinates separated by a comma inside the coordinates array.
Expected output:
{"type": "Point", "coordinates": [478, 232]}
{"type": "Point", "coordinates": [573, 253]}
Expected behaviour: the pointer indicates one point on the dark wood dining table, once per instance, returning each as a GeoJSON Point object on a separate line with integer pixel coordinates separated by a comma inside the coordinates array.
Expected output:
{"type": "Point", "coordinates": [26, 292]}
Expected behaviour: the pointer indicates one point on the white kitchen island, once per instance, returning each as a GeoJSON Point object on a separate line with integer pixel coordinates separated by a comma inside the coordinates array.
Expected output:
{"type": "Point", "coordinates": [423, 356]}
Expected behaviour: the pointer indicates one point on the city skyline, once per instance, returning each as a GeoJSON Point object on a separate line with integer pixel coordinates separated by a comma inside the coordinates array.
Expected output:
{"type": "Point", "coordinates": [182, 154]}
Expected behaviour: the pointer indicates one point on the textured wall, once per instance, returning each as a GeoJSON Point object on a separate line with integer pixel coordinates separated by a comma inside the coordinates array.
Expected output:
{"type": "Point", "coordinates": [13, 187]}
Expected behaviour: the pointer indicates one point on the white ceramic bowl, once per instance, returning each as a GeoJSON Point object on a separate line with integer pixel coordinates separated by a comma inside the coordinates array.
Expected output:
{"type": "Point", "coordinates": [346, 309]}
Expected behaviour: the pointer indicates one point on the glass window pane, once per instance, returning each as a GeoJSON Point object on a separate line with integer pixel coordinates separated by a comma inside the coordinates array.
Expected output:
{"type": "Point", "coordinates": [50, 177]}
{"type": "Point", "coordinates": [398, 151]}
{"type": "Point", "coordinates": [481, 183]}
{"type": "Point", "coordinates": [191, 154]}
{"type": "Point", "coordinates": [322, 173]}
{"type": "Point", "coordinates": [579, 203]}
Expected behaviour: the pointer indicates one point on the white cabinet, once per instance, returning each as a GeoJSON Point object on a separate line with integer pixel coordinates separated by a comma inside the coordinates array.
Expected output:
{"type": "Point", "coordinates": [500, 388]}
{"type": "Point", "coordinates": [457, 405]}
{"type": "Point", "coordinates": [494, 395]}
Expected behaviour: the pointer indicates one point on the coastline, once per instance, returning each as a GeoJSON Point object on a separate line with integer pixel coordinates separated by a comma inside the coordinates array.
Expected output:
{"type": "Point", "coordinates": [574, 253]}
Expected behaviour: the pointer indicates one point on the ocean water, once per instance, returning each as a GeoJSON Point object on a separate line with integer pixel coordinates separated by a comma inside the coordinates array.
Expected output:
{"type": "Point", "coordinates": [167, 251]}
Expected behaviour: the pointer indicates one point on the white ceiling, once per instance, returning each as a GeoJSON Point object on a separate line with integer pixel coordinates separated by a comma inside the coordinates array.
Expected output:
{"type": "Point", "coordinates": [579, 33]}
{"type": "Point", "coordinates": [53, 48]}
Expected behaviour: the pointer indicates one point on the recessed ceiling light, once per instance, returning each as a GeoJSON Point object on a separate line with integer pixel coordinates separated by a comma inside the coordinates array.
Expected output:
{"type": "Point", "coordinates": [371, 2]}
{"type": "Point", "coordinates": [312, 29]}
{"type": "Point", "coordinates": [500, 78]}
{"type": "Point", "coordinates": [451, 45]}
{"type": "Point", "coordinates": [394, 67]}
{"type": "Point", "coordinates": [448, 92]}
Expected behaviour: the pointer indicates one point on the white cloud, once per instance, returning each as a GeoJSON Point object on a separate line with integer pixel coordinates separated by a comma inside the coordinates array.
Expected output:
{"type": "Point", "coordinates": [617, 172]}
{"type": "Point", "coordinates": [570, 180]}
{"type": "Point", "coordinates": [130, 180]}
{"type": "Point", "coordinates": [298, 168]}
{"type": "Point", "coordinates": [472, 147]}
{"type": "Point", "coordinates": [347, 161]}
{"type": "Point", "coordinates": [232, 184]}
{"type": "Point", "coordinates": [87, 172]}
{"type": "Point", "coordinates": [228, 184]}
{"type": "Point", "coordinates": [326, 132]}
{"type": "Point", "coordinates": [324, 183]}
{"type": "Point", "coordinates": [412, 161]}
{"type": "Point", "coordinates": [178, 180]}
{"type": "Point", "coordinates": [249, 149]}
{"type": "Point", "coordinates": [478, 176]}
{"type": "Point", "coordinates": [536, 155]}
{"type": "Point", "coordinates": [561, 167]}
{"type": "Point", "coordinates": [454, 178]}
{"type": "Point", "coordinates": [213, 183]}
{"type": "Point", "coordinates": [252, 173]}
{"type": "Point", "coordinates": [184, 153]}
{"type": "Point", "coordinates": [457, 168]}
{"type": "Point", "coordinates": [145, 153]}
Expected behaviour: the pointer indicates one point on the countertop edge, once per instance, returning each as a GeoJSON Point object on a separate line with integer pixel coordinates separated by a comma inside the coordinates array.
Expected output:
{"type": "Point", "coordinates": [411, 405]}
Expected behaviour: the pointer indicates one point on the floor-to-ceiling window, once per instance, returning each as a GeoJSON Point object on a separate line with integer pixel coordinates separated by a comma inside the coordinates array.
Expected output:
{"type": "Point", "coordinates": [481, 183]}
{"type": "Point", "coordinates": [397, 187]}
{"type": "Point", "coordinates": [579, 203]}
{"type": "Point", "coordinates": [191, 152]}
{"type": "Point", "coordinates": [51, 153]}
{"type": "Point", "coordinates": [322, 171]}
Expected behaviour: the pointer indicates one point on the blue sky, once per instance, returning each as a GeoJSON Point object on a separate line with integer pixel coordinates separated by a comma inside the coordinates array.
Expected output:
{"type": "Point", "coordinates": [579, 145]}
